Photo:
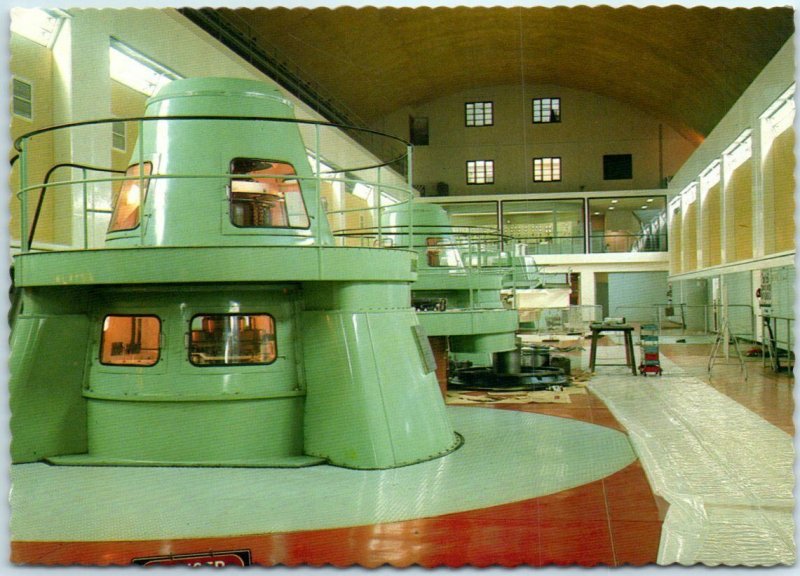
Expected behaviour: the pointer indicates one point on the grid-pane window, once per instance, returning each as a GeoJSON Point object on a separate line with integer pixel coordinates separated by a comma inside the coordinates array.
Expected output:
{"type": "Point", "coordinates": [479, 113]}
{"type": "Point", "coordinates": [480, 171]}
{"type": "Point", "coordinates": [546, 110]}
{"type": "Point", "coordinates": [23, 99]}
{"type": "Point", "coordinates": [130, 340]}
{"type": "Point", "coordinates": [118, 135]}
{"type": "Point", "coordinates": [547, 169]}
{"type": "Point", "coordinates": [232, 339]}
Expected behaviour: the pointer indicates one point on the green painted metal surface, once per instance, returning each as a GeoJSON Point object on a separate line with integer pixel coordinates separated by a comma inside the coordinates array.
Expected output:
{"type": "Point", "coordinates": [467, 322]}
{"type": "Point", "coordinates": [213, 264]}
{"type": "Point", "coordinates": [47, 363]}
{"type": "Point", "coordinates": [186, 433]}
{"type": "Point", "coordinates": [194, 149]}
{"type": "Point", "coordinates": [475, 320]}
{"type": "Point", "coordinates": [347, 382]}
{"type": "Point", "coordinates": [370, 402]}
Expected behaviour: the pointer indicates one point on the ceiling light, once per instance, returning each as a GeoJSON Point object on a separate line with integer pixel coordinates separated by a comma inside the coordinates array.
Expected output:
{"type": "Point", "coordinates": [597, 213]}
{"type": "Point", "coordinates": [614, 201]}
{"type": "Point", "coordinates": [41, 26]}
{"type": "Point", "coordinates": [136, 70]}
{"type": "Point", "coordinates": [644, 207]}
{"type": "Point", "coordinates": [649, 199]}
{"type": "Point", "coordinates": [610, 207]}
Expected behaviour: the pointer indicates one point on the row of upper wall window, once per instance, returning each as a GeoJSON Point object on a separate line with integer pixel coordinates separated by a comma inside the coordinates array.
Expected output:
{"type": "Point", "coordinates": [214, 340]}
{"type": "Point", "coordinates": [543, 111]}
{"type": "Point", "coordinates": [548, 169]}
{"type": "Point", "coordinates": [698, 206]}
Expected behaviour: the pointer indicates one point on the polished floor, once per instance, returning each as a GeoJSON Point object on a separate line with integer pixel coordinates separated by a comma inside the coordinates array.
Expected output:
{"type": "Point", "coordinates": [613, 520]}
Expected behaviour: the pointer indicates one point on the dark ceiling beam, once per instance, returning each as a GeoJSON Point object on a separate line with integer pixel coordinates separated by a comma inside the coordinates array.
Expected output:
{"type": "Point", "coordinates": [246, 46]}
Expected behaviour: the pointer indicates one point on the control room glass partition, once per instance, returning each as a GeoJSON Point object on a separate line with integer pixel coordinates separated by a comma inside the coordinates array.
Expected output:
{"type": "Point", "coordinates": [483, 214]}
{"type": "Point", "coordinates": [628, 224]}
{"type": "Point", "coordinates": [545, 226]}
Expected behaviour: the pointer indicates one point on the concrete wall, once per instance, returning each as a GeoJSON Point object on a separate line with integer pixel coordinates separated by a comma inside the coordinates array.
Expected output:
{"type": "Point", "coordinates": [591, 126]}
{"type": "Point", "coordinates": [635, 294]}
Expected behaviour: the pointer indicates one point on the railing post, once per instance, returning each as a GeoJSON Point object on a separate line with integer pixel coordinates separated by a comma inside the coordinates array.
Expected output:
{"type": "Point", "coordinates": [141, 182]}
{"type": "Point", "coordinates": [85, 212]}
{"type": "Point", "coordinates": [23, 198]}
{"type": "Point", "coordinates": [380, 228]}
{"type": "Point", "coordinates": [319, 181]}
{"type": "Point", "coordinates": [409, 166]}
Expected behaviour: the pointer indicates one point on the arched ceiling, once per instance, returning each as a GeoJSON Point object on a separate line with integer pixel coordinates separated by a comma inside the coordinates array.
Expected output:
{"type": "Point", "coordinates": [684, 66]}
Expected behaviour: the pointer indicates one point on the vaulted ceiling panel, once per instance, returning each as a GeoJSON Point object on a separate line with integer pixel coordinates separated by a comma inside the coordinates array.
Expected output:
{"type": "Point", "coordinates": [685, 66]}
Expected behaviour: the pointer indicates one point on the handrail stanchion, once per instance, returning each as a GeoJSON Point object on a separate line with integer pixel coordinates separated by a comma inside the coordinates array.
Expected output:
{"type": "Point", "coordinates": [380, 229]}
{"type": "Point", "coordinates": [409, 179]}
{"type": "Point", "coordinates": [317, 216]}
{"type": "Point", "coordinates": [23, 199]}
{"type": "Point", "coordinates": [85, 212]}
{"type": "Point", "coordinates": [141, 182]}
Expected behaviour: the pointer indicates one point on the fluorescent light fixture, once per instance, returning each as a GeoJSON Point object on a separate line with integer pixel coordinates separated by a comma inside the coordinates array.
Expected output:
{"type": "Point", "coordinates": [738, 152]}
{"type": "Point", "coordinates": [362, 191]}
{"type": "Point", "coordinates": [36, 24]}
{"type": "Point", "coordinates": [136, 70]}
{"type": "Point", "coordinates": [710, 176]}
{"type": "Point", "coordinates": [614, 201]}
{"type": "Point", "coordinates": [689, 194]}
{"type": "Point", "coordinates": [649, 199]}
{"type": "Point", "coordinates": [597, 213]}
{"type": "Point", "coordinates": [610, 207]}
{"type": "Point", "coordinates": [644, 207]}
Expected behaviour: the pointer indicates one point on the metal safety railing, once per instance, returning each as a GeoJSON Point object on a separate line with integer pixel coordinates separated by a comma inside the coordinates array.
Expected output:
{"type": "Point", "coordinates": [777, 342]}
{"type": "Point", "coordinates": [90, 195]}
{"type": "Point", "coordinates": [615, 242]}
{"type": "Point", "coordinates": [544, 245]}
{"type": "Point", "coordinates": [693, 318]}
{"type": "Point", "coordinates": [573, 319]}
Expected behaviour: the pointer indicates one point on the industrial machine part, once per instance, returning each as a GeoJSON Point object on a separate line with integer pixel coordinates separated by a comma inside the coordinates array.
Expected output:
{"type": "Point", "coordinates": [217, 325]}
{"type": "Point", "coordinates": [524, 368]}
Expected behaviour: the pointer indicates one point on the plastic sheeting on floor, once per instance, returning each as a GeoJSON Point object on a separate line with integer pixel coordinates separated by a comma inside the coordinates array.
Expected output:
{"type": "Point", "coordinates": [726, 472]}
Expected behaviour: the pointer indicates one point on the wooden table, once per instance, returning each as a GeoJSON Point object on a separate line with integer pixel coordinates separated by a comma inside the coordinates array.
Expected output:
{"type": "Point", "coordinates": [627, 330]}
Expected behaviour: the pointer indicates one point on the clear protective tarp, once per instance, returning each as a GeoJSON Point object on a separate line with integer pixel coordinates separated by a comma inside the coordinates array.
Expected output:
{"type": "Point", "coordinates": [726, 472]}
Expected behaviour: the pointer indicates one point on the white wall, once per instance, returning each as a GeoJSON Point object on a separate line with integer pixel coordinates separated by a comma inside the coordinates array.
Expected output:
{"type": "Point", "coordinates": [745, 114]}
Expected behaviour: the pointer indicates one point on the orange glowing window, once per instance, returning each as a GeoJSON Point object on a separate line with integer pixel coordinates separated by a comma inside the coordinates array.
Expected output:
{"type": "Point", "coordinates": [130, 340]}
{"type": "Point", "coordinates": [232, 339]}
{"type": "Point", "coordinates": [126, 203]}
{"type": "Point", "coordinates": [267, 197]}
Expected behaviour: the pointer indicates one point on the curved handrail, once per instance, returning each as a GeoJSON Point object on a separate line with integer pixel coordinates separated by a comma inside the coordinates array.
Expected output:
{"type": "Point", "coordinates": [45, 187]}
{"type": "Point", "coordinates": [399, 190]}
{"type": "Point", "coordinates": [28, 135]}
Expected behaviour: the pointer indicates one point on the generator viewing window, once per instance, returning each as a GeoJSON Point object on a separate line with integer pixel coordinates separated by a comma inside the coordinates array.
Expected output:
{"type": "Point", "coordinates": [129, 340]}
{"type": "Point", "coordinates": [267, 197]}
{"type": "Point", "coordinates": [546, 110]}
{"type": "Point", "coordinates": [232, 339]}
{"type": "Point", "coordinates": [479, 113]}
{"type": "Point", "coordinates": [127, 201]}
{"type": "Point", "coordinates": [480, 171]}
{"type": "Point", "coordinates": [547, 169]}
